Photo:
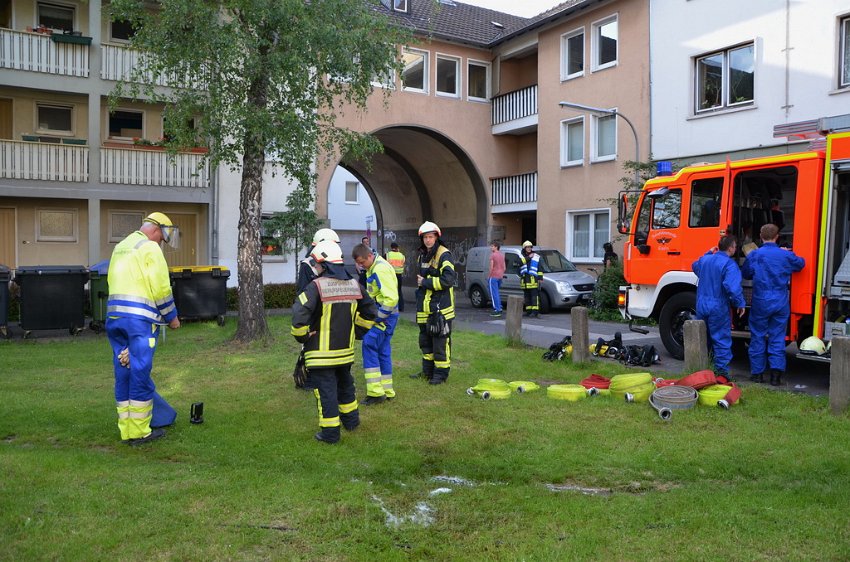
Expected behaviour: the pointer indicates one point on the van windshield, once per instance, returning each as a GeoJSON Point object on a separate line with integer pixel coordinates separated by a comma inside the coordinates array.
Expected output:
{"type": "Point", "coordinates": [553, 261]}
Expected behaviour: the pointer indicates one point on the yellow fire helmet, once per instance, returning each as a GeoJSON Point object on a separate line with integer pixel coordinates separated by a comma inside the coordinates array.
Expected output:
{"type": "Point", "coordinates": [812, 345]}
{"type": "Point", "coordinates": [170, 232]}
{"type": "Point", "coordinates": [527, 244]}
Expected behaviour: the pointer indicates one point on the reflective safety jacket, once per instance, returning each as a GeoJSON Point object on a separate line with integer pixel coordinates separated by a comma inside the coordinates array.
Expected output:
{"type": "Point", "coordinates": [396, 260]}
{"type": "Point", "coordinates": [530, 274]}
{"type": "Point", "coordinates": [437, 289]}
{"type": "Point", "coordinates": [330, 307]}
{"type": "Point", "coordinates": [139, 285]}
{"type": "Point", "coordinates": [382, 285]}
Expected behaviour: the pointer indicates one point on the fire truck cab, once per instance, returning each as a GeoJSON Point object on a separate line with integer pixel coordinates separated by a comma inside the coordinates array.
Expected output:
{"type": "Point", "coordinates": [679, 217]}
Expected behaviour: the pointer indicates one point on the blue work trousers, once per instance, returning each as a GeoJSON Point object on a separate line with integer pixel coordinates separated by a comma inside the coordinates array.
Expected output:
{"type": "Point", "coordinates": [140, 337]}
{"type": "Point", "coordinates": [718, 323]}
{"type": "Point", "coordinates": [377, 358]}
{"type": "Point", "coordinates": [768, 325]}
{"type": "Point", "coordinates": [495, 297]}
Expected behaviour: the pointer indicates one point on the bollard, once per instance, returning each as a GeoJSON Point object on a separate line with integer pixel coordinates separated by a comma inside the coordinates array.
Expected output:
{"type": "Point", "coordinates": [696, 346]}
{"type": "Point", "coordinates": [581, 335]}
{"type": "Point", "coordinates": [513, 322]}
{"type": "Point", "coordinates": [839, 376]}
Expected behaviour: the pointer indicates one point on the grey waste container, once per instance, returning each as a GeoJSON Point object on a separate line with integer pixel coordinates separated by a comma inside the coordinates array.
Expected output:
{"type": "Point", "coordinates": [98, 294]}
{"type": "Point", "coordinates": [200, 292]}
{"type": "Point", "coordinates": [5, 276]}
{"type": "Point", "coordinates": [52, 297]}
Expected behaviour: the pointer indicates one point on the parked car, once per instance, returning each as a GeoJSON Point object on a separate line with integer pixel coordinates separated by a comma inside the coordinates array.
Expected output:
{"type": "Point", "coordinates": [563, 286]}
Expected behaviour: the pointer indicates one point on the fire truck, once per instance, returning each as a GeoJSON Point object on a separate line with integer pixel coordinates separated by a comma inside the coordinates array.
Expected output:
{"type": "Point", "coordinates": [678, 217]}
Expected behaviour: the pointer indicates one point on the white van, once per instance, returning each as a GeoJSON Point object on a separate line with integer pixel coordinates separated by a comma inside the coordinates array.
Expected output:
{"type": "Point", "coordinates": [563, 286]}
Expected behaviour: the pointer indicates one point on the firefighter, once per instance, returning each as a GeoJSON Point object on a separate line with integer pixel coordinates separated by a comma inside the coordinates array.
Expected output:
{"type": "Point", "coordinates": [323, 319]}
{"type": "Point", "coordinates": [435, 295]}
{"type": "Point", "coordinates": [140, 301]}
{"type": "Point", "coordinates": [396, 259]}
{"type": "Point", "coordinates": [308, 271]}
{"type": "Point", "coordinates": [382, 286]}
{"type": "Point", "coordinates": [718, 287]}
{"type": "Point", "coordinates": [530, 277]}
{"type": "Point", "coordinates": [770, 267]}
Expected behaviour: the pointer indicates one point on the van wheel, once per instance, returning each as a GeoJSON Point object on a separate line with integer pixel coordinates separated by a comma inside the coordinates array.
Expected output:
{"type": "Point", "coordinates": [671, 322]}
{"type": "Point", "coordinates": [545, 303]}
{"type": "Point", "coordinates": [477, 297]}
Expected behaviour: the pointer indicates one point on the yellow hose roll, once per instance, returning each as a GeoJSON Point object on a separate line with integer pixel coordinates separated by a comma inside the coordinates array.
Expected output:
{"type": "Point", "coordinates": [637, 393]}
{"type": "Point", "coordinates": [523, 386]}
{"type": "Point", "coordinates": [570, 392]}
{"type": "Point", "coordinates": [710, 395]}
{"type": "Point", "coordinates": [492, 384]}
{"type": "Point", "coordinates": [621, 383]}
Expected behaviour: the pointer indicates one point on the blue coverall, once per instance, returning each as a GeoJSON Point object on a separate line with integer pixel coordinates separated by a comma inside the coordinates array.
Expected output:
{"type": "Point", "coordinates": [770, 267]}
{"type": "Point", "coordinates": [719, 287]}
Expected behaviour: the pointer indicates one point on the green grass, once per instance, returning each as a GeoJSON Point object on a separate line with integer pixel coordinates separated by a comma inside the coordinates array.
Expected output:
{"type": "Point", "coordinates": [769, 479]}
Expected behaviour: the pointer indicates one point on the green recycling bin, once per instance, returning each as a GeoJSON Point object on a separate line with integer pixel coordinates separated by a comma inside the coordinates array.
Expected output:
{"type": "Point", "coordinates": [98, 294]}
{"type": "Point", "coordinates": [5, 277]}
{"type": "Point", "coordinates": [52, 297]}
{"type": "Point", "coordinates": [200, 292]}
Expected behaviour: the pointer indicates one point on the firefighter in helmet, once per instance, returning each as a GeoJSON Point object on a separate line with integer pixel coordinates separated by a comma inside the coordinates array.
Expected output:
{"type": "Point", "coordinates": [324, 316]}
{"type": "Point", "coordinates": [530, 277]}
{"type": "Point", "coordinates": [307, 270]}
{"type": "Point", "coordinates": [140, 301]}
{"type": "Point", "coordinates": [435, 295]}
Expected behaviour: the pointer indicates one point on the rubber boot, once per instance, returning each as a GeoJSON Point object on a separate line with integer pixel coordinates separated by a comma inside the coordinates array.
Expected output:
{"type": "Point", "coordinates": [329, 435]}
{"type": "Point", "coordinates": [775, 377]}
{"type": "Point", "coordinates": [757, 377]}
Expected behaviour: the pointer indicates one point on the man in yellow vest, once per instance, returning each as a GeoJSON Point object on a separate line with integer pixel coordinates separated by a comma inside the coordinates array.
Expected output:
{"type": "Point", "coordinates": [396, 259]}
{"type": "Point", "coordinates": [140, 301]}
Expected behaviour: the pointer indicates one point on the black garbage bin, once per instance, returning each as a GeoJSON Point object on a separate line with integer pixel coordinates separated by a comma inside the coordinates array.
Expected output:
{"type": "Point", "coordinates": [98, 294]}
{"type": "Point", "coordinates": [200, 292]}
{"type": "Point", "coordinates": [5, 276]}
{"type": "Point", "coordinates": [52, 297]}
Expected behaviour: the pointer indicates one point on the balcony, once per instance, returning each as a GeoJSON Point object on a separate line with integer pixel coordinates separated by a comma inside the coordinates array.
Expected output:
{"type": "Point", "coordinates": [37, 52]}
{"type": "Point", "coordinates": [119, 61]}
{"type": "Point", "coordinates": [515, 113]}
{"type": "Point", "coordinates": [152, 167]}
{"type": "Point", "coordinates": [512, 194]}
{"type": "Point", "coordinates": [43, 161]}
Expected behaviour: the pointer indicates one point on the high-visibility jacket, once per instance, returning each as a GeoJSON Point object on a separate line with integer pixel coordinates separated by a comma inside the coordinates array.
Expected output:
{"type": "Point", "coordinates": [330, 307]}
{"type": "Point", "coordinates": [139, 285]}
{"type": "Point", "coordinates": [530, 274]}
{"type": "Point", "coordinates": [382, 285]}
{"type": "Point", "coordinates": [437, 289]}
{"type": "Point", "coordinates": [396, 259]}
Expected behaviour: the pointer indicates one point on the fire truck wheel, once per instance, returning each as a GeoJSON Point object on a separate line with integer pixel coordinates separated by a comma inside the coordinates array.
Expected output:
{"type": "Point", "coordinates": [671, 322]}
{"type": "Point", "coordinates": [477, 297]}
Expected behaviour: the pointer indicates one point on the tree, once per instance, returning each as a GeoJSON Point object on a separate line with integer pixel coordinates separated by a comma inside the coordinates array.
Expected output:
{"type": "Point", "coordinates": [294, 228]}
{"type": "Point", "coordinates": [262, 81]}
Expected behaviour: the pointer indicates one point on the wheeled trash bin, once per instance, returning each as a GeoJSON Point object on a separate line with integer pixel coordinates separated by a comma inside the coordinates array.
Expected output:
{"type": "Point", "coordinates": [200, 292]}
{"type": "Point", "coordinates": [52, 297]}
{"type": "Point", "coordinates": [98, 294]}
{"type": "Point", "coordinates": [5, 277]}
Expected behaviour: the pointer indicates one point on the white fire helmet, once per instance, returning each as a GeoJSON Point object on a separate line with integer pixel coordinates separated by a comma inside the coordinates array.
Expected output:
{"type": "Point", "coordinates": [325, 234]}
{"type": "Point", "coordinates": [429, 226]}
{"type": "Point", "coordinates": [327, 251]}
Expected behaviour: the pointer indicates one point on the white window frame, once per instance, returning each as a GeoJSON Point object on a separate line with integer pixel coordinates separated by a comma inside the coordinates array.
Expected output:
{"type": "Point", "coordinates": [127, 110]}
{"type": "Point", "coordinates": [488, 78]}
{"type": "Point", "coordinates": [595, 51]}
{"type": "Point", "coordinates": [138, 216]}
{"type": "Point", "coordinates": [75, 226]}
{"type": "Point", "coordinates": [457, 60]}
{"type": "Point", "coordinates": [594, 135]}
{"type": "Point", "coordinates": [62, 5]}
{"type": "Point", "coordinates": [843, 52]}
{"type": "Point", "coordinates": [568, 241]}
{"type": "Point", "coordinates": [390, 82]}
{"type": "Point", "coordinates": [565, 54]}
{"type": "Point", "coordinates": [565, 142]}
{"type": "Point", "coordinates": [724, 81]}
{"type": "Point", "coordinates": [400, 6]}
{"type": "Point", "coordinates": [356, 200]}
{"type": "Point", "coordinates": [54, 105]}
{"type": "Point", "coordinates": [425, 71]}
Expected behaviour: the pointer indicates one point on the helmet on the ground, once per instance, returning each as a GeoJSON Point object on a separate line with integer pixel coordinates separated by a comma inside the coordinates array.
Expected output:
{"type": "Point", "coordinates": [325, 234]}
{"type": "Point", "coordinates": [327, 251]}
{"type": "Point", "coordinates": [812, 345]}
{"type": "Point", "coordinates": [527, 243]}
{"type": "Point", "coordinates": [429, 226]}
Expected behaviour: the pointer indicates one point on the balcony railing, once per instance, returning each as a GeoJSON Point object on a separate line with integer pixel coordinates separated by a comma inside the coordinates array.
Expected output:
{"type": "Point", "coordinates": [135, 166]}
{"type": "Point", "coordinates": [518, 190]}
{"type": "Point", "coordinates": [118, 63]}
{"type": "Point", "coordinates": [515, 105]}
{"type": "Point", "coordinates": [36, 52]}
{"type": "Point", "coordinates": [43, 161]}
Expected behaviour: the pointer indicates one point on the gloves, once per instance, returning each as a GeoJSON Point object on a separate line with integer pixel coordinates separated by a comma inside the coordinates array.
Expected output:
{"type": "Point", "coordinates": [124, 357]}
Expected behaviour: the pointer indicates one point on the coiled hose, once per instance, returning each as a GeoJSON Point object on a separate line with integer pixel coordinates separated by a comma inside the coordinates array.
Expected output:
{"type": "Point", "coordinates": [715, 395]}
{"type": "Point", "coordinates": [490, 388]}
{"type": "Point", "coordinates": [633, 387]}
{"type": "Point", "coordinates": [523, 386]}
{"type": "Point", "coordinates": [669, 398]}
{"type": "Point", "coordinates": [569, 392]}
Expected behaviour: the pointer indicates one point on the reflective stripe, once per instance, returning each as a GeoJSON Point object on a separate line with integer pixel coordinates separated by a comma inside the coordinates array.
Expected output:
{"type": "Point", "coordinates": [329, 422]}
{"type": "Point", "coordinates": [133, 298]}
{"type": "Point", "coordinates": [302, 298]}
{"type": "Point", "coordinates": [302, 331]}
{"type": "Point", "coordinates": [348, 408]}
{"type": "Point", "coordinates": [141, 403]}
{"type": "Point", "coordinates": [155, 317]}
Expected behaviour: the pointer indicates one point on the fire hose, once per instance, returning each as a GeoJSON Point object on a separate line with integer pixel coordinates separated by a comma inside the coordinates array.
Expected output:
{"type": "Point", "coordinates": [717, 395]}
{"type": "Point", "coordinates": [634, 387]}
{"type": "Point", "coordinates": [523, 386]}
{"type": "Point", "coordinates": [569, 392]}
{"type": "Point", "coordinates": [669, 398]}
{"type": "Point", "coordinates": [490, 388]}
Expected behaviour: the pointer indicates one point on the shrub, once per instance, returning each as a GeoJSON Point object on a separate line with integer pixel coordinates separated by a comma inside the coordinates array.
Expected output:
{"type": "Point", "coordinates": [275, 295]}
{"type": "Point", "coordinates": [607, 287]}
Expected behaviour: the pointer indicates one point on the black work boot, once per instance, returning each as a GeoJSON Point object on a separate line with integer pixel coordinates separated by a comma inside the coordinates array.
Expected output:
{"type": "Point", "coordinates": [372, 400]}
{"type": "Point", "coordinates": [329, 435]}
{"type": "Point", "coordinates": [775, 377]}
{"type": "Point", "coordinates": [440, 376]}
{"type": "Point", "coordinates": [757, 377]}
{"type": "Point", "coordinates": [152, 436]}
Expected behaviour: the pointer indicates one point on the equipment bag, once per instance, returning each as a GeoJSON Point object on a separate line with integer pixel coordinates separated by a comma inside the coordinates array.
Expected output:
{"type": "Point", "coordinates": [559, 349]}
{"type": "Point", "coordinates": [640, 355]}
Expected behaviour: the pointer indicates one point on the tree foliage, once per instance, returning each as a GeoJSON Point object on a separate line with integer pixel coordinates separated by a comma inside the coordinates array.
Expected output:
{"type": "Point", "coordinates": [294, 228]}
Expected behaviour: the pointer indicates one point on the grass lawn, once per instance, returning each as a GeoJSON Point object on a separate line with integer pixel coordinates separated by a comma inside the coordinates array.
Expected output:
{"type": "Point", "coordinates": [434, 475]}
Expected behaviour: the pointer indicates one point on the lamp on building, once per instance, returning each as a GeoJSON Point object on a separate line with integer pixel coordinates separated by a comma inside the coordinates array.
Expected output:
{"type": "Point", "coordinates": [603, 111]}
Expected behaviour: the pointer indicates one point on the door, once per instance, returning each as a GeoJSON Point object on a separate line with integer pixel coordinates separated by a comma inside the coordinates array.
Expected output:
{"type": "Point", "coordinates": [658, 242]}
{"type": "Point", "coordinates": [187, 253]}
{"type": "Point", "coordinates": [8, 238]}
{"type": "Point", "coordinates": [510, 280]}
{"type": "Point", "coordinates": [5, 119]}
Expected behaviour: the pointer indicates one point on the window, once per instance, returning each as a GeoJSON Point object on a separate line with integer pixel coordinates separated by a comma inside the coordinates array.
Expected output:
{"type": "Point", "coordinates": [56, 225]}
{"type": "Point", "coordinates": [605, 43]}
{"type": "Point", "coordinates": [55, 16]}
{"type": "Point", "coordinates": [448, 77]}
{"type": "Point", "coordinates": [667, 210]}
{"type": "Point", "coordinates": [122, 30]}
{"type": "Point", "coordinates": [122, 223]}
{"type": "Point", "coordinates": [572, 54]}
{"type": "Point", "coordinates": [572, 142]}
{"type": "Point", "coordinates": [384, 79]}
{"type": "Point", "coordinates": [725, 79]}
{"type": "Point", "coordinates": [478, 80]}
{"type": "Point", "coordinates": [586, 232]}
{"type": "Point", "coordinates": [844, 80]}
{"type": "Point", "coordinates": [705, 202]}
{"type": "Point", "coordinates": [604, 137]}
{"type": "Point", "coordinates": [351, 189]}
{"type": "Point", "coordinates": [55, 118]}
{"type": "Point", "coordinates": [400, 6]}
{"type": "Point", "coordinates": [270, 243]}
{"type": "Point", "coordinates": [512, 263]}
{"type": "Point", "coordinates": [413, 77]}
{"type": "Point", "coordinates": [126, 124]}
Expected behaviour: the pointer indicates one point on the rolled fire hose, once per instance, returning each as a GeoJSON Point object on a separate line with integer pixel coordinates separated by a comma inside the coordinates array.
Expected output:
{"type": "Point", "coordinates": [634, 387]}
{"type": "Point", "coordinates": [669, 398]}
{"type": "Point", "coordinates": [490, 388]}
{"type": "Point", "coordinates": [715, 395]}
{"type": "Point", "coordinates": [598, 383]}
{"type": "Point", "coordinates": [569, 392]}
{"type": "Point", "coordinates": [523, 386]}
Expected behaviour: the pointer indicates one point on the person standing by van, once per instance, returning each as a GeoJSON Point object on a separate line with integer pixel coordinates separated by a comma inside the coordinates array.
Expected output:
{"type": "Point", "coordinates": [530, 277]}
{"type": "Point", "coordinates": [494, 277]}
